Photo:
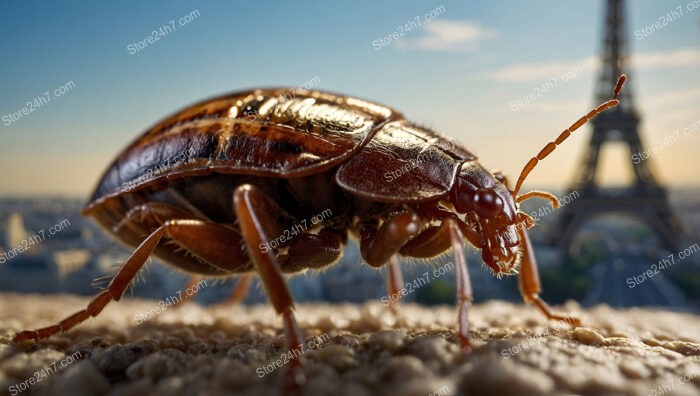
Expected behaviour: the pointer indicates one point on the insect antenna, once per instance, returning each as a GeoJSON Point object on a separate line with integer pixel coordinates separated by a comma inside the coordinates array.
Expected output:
{"type": "Point", "coordinates": [549, 147]}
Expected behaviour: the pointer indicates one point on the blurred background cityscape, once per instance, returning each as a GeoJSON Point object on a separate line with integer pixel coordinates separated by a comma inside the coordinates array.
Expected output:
{"type": "Point", "coordinates": [608, 252]}
{"type": "Point", "coordinates": [503, 78]}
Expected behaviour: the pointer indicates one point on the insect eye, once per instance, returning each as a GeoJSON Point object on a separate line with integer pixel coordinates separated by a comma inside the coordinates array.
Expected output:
{"type": "Point", "coordinates": [487, 203]}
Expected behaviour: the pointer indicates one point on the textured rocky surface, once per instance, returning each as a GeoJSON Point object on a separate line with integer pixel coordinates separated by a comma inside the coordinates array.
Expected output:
{"type": "Point", "coordinates": [354, 350]}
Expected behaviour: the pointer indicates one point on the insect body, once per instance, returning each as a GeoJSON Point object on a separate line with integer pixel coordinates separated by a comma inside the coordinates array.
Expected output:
{"type": "Point", "coordinates": [259, 163]}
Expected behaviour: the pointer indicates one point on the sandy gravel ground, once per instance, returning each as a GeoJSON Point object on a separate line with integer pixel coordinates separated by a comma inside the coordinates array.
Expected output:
{"type": "Point", "coordinates": [351, 350]}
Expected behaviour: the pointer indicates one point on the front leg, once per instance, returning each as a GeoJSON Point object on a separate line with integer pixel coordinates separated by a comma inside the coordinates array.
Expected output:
{"type": "Point", "coordinates": [530, 281]}
{"type": "Point", "coordinates": [401, 232]}
{"type": "Point", "coordinates": [464, 284]}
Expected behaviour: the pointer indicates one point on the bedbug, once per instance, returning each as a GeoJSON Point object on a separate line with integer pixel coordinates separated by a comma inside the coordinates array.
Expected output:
{"type": "Point", "coordinates": [259, 162]}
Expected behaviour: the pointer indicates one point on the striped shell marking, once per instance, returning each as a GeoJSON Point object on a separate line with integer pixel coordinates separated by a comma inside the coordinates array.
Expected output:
{"type": "Point", "coordinates": [264, 132]}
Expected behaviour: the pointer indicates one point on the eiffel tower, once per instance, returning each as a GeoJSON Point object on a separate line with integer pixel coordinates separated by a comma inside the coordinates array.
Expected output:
{"type": "Point", "coordinates": [644, 199]}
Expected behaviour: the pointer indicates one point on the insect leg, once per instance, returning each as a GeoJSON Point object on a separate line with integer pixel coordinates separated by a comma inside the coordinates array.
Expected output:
{"type": "Point", "coordinates": [394, 281]}
{"type": "Point", "coordinates": [255, 213]}
{"type": "Point", "coordinates": [238, 293]}
{"type": "Point", "coordinates": [530, 281]}
{"type": "Point", "coordinates": [378, 246]}
{"type": "Point", "coordinates": [464, 284]}
{"type": "Point", "coordinates": [191, 282]}
{"type": "Point", "coordinates": [211, 242]}
{"type": "Point", "coordinates": [147, 217]}
{"type": "Point", "coordinates": [501, 177]}
{"type": "Point", "coordinates": [240, 290]}
{"type": "Point", "coordinates": [436, 239]}
{"type": "Point", "coordinates": [311, 251]}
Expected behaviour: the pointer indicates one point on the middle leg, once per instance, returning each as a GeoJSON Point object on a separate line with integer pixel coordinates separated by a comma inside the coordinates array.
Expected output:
{"type": "Point", "coordinates": [238, 293]}
{"type": "Point", "coordinates": [240, 290]}
{"type": "Point", "coordinates": [260, 218]}
{"type": "Point", "coordinates": [394, 282]}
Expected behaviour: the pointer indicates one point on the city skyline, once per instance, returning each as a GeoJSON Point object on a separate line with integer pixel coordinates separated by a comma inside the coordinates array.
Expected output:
{"type": "Point", "coordinates": [71, 254]}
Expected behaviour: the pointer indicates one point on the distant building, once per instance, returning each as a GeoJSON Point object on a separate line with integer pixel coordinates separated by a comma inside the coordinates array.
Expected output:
{"type": "Point", "coordinates": [82, 257]}
{"type": "Point", "coordinates": [69, 261]}
{"type": "Point", "coordinates": [16, 233]}
{"type": "Point", "coordinates": [29, 274]}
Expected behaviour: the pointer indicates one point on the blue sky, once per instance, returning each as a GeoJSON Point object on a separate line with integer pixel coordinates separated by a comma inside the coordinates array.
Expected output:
{"type": "Point", "coordinates": [457, 73]}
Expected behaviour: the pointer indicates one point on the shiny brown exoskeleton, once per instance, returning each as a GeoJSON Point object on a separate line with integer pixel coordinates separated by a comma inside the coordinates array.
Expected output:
{"type": "Point", "coordinates": [259, 163]}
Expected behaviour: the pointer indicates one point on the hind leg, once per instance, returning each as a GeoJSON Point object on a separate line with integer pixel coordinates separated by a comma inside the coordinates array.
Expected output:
{"type": "Point", "coordinates": [209, 241]}
{"type": "Point", "coordinates": [401, 233]}
{"type": "Point", "coordinates": [240, 290]}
